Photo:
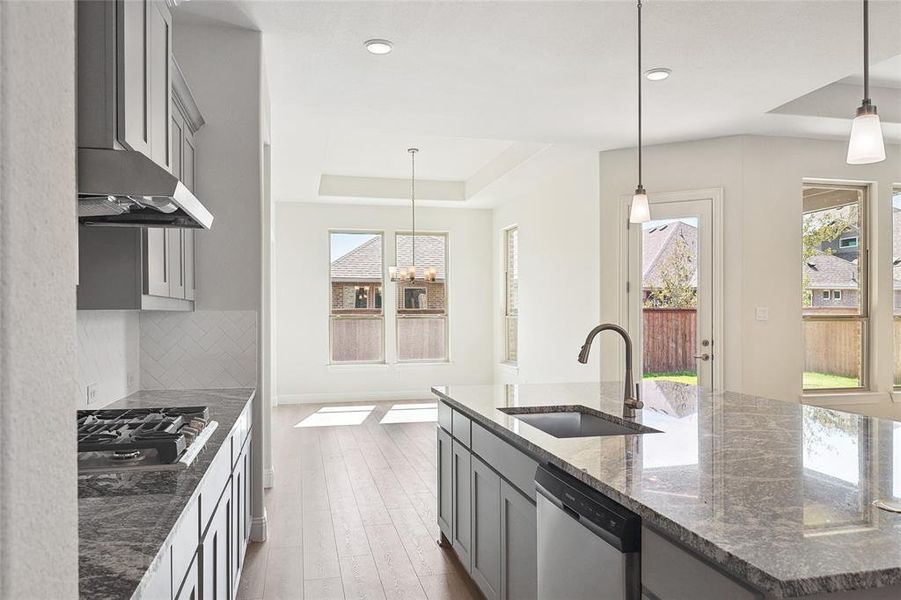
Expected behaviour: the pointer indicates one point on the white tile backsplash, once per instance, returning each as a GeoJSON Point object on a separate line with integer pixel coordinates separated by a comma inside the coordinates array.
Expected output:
{"type": "Point", "coordinates": [108, 355]}
{"type": "Point", "coordinates": [202, 349]}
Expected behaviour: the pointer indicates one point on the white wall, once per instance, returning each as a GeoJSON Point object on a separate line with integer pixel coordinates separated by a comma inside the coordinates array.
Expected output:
{"type": "Point", "coordinates": [302, 301]}
{"type": "Point", "coordinates": [559, 274]}
{"type": "Point", "coordinates": [108, 355]}
{"type": "Point", "coordinates": [761, 178]}
{"type": "Point", "coordinates": [38, 257]}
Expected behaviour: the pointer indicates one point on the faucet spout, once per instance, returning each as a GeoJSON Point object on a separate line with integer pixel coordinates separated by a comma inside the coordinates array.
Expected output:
{"type": "Point", "coordinates": [631, 402]}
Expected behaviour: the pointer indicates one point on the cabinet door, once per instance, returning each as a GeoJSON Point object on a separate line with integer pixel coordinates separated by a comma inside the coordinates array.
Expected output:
{"type": "Point", "coordinates": [133, 114]}
{"type": "Point", "coordinates": [188, 156]}
{"type": "Point", "coordinates": [462, 510]}
{"type": "Point", "coordinates": [486, 528]}
{"type": "Point", "coordinates": [159, 583]}
{"type": "Point", "coordinates": [175, 240]}
{"type": "Point", "coordinates": [188, 262]}
{"type": "Point", "coordinates": [159, 87]}
{"type": "Point", "coordinates": [248, 453]}
{"type": "Point", "coordinates": [190, 587]}
{"type": "Point", "coordinates": [178, 139]}
{"type": "Point", "coordinates": [156, 261]}
{"type": "Point", "coordinates": [444, 483]}
{"type": "Point", "coordinates": [240, 495]}
{"type": "Point", "coordinates": [216, 582]}
{"type": "Point", "coordinates": [519, 549]}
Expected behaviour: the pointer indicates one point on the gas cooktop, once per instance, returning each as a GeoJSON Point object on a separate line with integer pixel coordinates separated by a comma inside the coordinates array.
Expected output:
{"type": "Point", "coordinates": [141, 438]}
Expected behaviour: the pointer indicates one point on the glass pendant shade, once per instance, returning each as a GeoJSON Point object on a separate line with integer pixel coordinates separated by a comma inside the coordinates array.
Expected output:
{"type": "Point", "coordinates": [866, 145]}
{"type": "Point", "coordinates": [640, 211]}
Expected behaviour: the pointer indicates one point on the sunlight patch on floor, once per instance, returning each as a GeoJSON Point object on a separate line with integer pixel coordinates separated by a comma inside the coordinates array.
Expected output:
{"type": "Point", "coordinates": [426, 412]}
{"type": "Point", "coordinates": [332, 416]}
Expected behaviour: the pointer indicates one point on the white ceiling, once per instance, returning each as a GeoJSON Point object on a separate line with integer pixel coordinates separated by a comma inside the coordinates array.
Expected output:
{"type": "Point", "coordinates": [468, 79]}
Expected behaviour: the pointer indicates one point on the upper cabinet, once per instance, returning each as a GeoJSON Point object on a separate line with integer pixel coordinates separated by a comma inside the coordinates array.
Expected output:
{"type": "Point", "coordinates": [125, 76]}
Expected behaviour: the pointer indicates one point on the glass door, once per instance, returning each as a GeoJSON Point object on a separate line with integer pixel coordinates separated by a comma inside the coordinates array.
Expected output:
{"type": "Point", "coordinates": [670, 299]}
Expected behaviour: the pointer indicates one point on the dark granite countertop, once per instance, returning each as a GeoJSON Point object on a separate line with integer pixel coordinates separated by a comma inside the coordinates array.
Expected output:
{"type": "Point", "coordinates": [125, 518]}
{"type": "Point", "coordinates": [778, 494]}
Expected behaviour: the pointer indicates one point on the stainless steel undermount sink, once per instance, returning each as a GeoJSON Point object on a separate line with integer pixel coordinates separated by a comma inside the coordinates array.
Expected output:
{"type": "Point", "coordinates": [572, 422]}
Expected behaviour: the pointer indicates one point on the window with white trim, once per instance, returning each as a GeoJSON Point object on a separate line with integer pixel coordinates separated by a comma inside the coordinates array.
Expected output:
{"type": "Point", "coordinates": [896, 281]}
{"type": "Point", "coordinates": [835, 329]}
{"type": "Point", "coordinates": [511, 294]}
{"type": "Point", "coordinates": [422, 305]}
{"type": "Point", "coordinates": [356, 316]}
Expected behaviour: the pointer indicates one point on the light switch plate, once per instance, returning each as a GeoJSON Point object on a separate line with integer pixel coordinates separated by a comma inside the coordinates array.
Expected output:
{"type": "Point", "coordinates": [763, 313]}
{"type": "Point", "coordinates": [91, 394]}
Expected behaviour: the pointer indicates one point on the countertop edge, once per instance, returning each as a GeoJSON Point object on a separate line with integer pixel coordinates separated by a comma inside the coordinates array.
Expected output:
{"type": "Point", "coordinates": [736, 567]}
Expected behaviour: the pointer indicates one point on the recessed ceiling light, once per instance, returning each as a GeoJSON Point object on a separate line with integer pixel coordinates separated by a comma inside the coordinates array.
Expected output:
{"type": "Point", "coordinates": [657, 74]}
{"type": "Point", "coordinates": [378, 46]}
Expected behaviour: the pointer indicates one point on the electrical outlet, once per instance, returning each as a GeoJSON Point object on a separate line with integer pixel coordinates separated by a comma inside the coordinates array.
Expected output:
{"type": "Point", "coordinates": [763, 313]}
{"type": "Point", "coordinates": [91, 395]}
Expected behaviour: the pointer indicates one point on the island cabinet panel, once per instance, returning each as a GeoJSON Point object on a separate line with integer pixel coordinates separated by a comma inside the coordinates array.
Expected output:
{"type": "Point", "coordinates": [445, 417]}
{"type": "Point", "coordinates": [159, 582]}
{"type": "Point", "coordinates": [214, 575]}
{"type": "Point", "coordinates": [461, 461]}
{"type": "Point", "coordinates": [486, 528]}
{"type": "Point", "coordinates": [669, 572]}
{"type": "Point", "coordinates": [462, 428]}
{"type": "Point", "coordinates": [445, 506]}
{"type": "Point", "coordinates": [190, 587]}
{"type": "Point", "coordinates": [518, 545]}
{"type": "Point", "coordinates": [515, 466]}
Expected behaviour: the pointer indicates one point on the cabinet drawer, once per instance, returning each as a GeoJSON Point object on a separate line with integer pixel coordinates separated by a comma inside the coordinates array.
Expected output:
{"type": "Point", "coordinates": [445, 420]}
{"type": "Point", "coordinates": [185, 542]}
{"type": "Point", "coordinates": [669, 571]}
{"type": "Point", "coordinates": [515, 466]}
{"type": "Point", "coordinates": [215, 480]}
{"type": "Point", "coordinates": [462, 428]}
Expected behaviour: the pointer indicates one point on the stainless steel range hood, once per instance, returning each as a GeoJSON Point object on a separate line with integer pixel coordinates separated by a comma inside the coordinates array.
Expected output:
{"type": "Point", "coordinates": [124, 188]}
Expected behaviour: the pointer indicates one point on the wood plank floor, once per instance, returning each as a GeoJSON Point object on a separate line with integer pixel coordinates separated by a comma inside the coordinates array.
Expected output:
{"type": "Point", "coordinates": [352, 514]}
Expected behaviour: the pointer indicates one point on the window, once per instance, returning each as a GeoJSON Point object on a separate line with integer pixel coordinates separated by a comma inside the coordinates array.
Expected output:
{"type": "Point", "coordinates": [849, 242]}
{"type": "Point", "coordinates": [422, 305]}
{"type": "Point", "coordinates": [511, 294]}
{"type": "Point", "coordinates": [835, 331]}
{"type": "Point", "coordinates": [896, 280]}
{"type": "Point", "coordinates": [356, 318]}
{"type": "Point", "coordinates": [826, 294]}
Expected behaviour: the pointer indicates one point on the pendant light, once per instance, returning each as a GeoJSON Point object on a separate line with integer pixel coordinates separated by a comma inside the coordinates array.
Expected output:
{"type": "Point", "coordinates": [408, 274]}
{"type": "Point", "coordinates": [865, 145]}
{"type": "Point", "coordinates": [640, 211]}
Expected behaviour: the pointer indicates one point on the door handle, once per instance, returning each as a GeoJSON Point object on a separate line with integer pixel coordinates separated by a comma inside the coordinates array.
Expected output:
{"type": "Point", "coordinates": [704, 356]}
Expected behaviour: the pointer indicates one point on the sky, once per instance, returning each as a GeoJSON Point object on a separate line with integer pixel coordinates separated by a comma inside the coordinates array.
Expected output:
{"type": "Point", "coordinates": [342, 243]}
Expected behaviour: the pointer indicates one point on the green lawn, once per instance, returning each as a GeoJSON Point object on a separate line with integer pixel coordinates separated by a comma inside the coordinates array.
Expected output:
{"type": "Point", "coordinates": [813, 381]}
{"type": "Point", "coordinates": [678, 377]}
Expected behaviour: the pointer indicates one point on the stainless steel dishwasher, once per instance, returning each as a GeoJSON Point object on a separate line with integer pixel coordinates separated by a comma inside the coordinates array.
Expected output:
{"type": "Point", "coordinates": [588, 545]}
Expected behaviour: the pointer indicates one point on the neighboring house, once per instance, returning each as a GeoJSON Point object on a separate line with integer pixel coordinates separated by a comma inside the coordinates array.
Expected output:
{"type": "Point", "coordinates": [357, 277]}
{"type": "Point", "coordinates": [660, 246]}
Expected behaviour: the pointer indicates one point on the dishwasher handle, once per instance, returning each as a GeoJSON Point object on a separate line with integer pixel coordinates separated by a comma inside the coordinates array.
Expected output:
{"type": "Point", "coordinates": [609, 520]}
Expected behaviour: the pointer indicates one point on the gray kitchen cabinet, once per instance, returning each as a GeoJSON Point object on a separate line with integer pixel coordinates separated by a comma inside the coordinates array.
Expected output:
{"type": "Point", "coordinates": [240, 533]}
{"type": "Point", "coordinates": [175, 239]}
{"type": "Point", "coordinates": [159, 88]}
{"type": "Point", "coordinates": [485, 553]}
{"type": "Point", "coordinates": [461, 524]}
{"type": "Point", "coordinates": [518, 544]}
{"type": "Point", "coordinates": [445, 506]}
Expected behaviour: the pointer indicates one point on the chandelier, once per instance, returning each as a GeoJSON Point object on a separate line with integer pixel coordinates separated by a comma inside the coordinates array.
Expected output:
{"type": "Point", "coordinates": [409, 274]}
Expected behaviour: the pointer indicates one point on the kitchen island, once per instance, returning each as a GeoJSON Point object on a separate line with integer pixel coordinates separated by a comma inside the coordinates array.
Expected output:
{"type": "Point", "coordinates": [774, 497]}
{"type": "Point", "coordinates": [140, 530]}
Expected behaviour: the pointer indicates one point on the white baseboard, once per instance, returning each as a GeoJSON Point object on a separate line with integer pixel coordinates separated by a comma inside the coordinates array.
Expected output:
{"type": "Point", "coordinates": [326, 398]}
{"type": "Point", "coordinates": [274, 399]}
{"type": "Point", "coordinates": [259, 528]}
{"type": "Point", "coordinates": [268, 478]}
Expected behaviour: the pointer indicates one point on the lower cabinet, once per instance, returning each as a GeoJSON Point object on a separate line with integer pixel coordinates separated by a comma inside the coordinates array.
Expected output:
{"type": "Point", "coordinates": [492, 522]}
{"type": "Point", "coordinates": [486, 528]}
{"type": "Point", "coordinates": [215, 572]}
{"type": "Point", "coordinates": [461, 524]}
{"type": "Point", "coordinates": [519, 544]}
{"type": "Point", "coordinates": [444, 483]}
{"type": "Point", "coordinates": [240, 522]}
{"type": "Point", "coordinates": [190, 589]}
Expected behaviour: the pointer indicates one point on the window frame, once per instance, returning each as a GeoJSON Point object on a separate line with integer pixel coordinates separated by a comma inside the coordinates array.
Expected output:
{"type": "Point", "coordinates": [425, 292]}
{"type": "Point", "coordinates": [896, 314]}
{"type": "Point", "coordinates": [855, 238]}
{"type": "Point", "coordinates": [508, 270]}
{"type": "Point", "coordinates": [836, 294]}
{"type": "Point", "coordinates": [398, 316]}
{"type": "Point", "coordinates": [342, 363]}
{"type": "Point", "coordinates": [863, 316]}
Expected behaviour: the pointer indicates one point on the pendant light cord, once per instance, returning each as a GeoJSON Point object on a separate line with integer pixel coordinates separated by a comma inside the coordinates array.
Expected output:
{"type": "Point", "coordinates": [866, 51]}
{"type": "Point", "coordinates": [639, 93]}
{"type": "Point", "coordinates": [412, 152]}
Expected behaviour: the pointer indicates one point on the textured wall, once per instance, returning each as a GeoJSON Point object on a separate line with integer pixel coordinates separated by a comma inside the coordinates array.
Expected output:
{"type": "Point", "coordinates": [108, 351]}
{"type": "Point", "coordinates": [204, 349]}
{"type": "Point", "coordinates": [38, 506]}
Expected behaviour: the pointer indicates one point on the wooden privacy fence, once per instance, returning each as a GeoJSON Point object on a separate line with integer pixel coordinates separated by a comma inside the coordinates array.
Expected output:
{"type": "Point", "coordinates": [670, 337]}
{"type": "Point", "coordinates": [833, 347]}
